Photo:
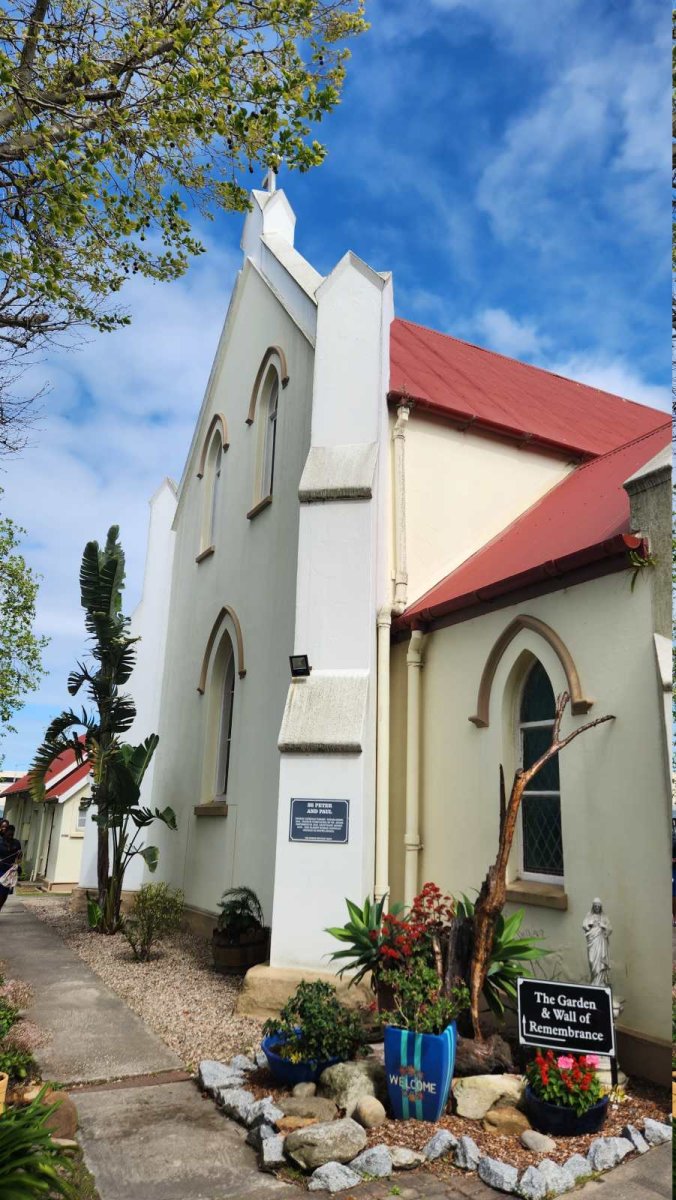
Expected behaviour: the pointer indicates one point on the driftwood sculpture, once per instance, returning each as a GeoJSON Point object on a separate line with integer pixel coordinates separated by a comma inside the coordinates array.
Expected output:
{"type": "Point", "coordinates": [491, 898]}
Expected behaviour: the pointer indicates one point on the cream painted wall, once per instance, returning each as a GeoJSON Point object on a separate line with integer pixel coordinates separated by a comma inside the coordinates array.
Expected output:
{"type": "Point", "coordinates": [253, 570]}
{"type": "Point", "coordinates": [615, 803]}
{"type": "Point", "coordinates": [63, 865]}
{"type": "Point", "coordinates": [461, 490]}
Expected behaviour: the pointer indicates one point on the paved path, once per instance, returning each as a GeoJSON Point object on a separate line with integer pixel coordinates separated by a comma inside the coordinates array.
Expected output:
{"type": "Point", "coordinates": [146, 1139]}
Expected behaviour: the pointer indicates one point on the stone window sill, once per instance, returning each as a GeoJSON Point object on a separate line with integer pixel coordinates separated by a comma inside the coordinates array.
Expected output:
{"type": "Point", "coordinates": [253, 512]}
{"type": "Point", "coordinates": [215, 809]}
{"type": "Point", "coordinates": [540, 895]}
{"type": "Point", "coordinates": [205, 554]}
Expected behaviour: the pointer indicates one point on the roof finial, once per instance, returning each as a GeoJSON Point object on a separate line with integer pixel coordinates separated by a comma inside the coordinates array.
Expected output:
{"type": "Point", "coordinates": [270, 180]}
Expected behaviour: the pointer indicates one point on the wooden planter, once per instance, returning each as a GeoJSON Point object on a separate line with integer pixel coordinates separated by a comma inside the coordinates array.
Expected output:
{"type": "Point", "coordinates": [234, 958]}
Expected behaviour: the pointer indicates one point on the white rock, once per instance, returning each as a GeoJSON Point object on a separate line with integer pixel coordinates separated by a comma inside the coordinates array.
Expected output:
{"type": "Point", "coordinates": [242, 1062]}
{"type": "Point", "coordinates": [216, 1075]}
{"type": "Point", "coordinates": [467, 1154]}
{"type": "Point", "coordinates": [557, 1178]}
{"type": "Point", "coordinates": [326, 1142]}
{"type": "Point", "coordinates": [439, 1145]}
{"type": "Point", "coordinates": [346, 1083]}
{"type": "Point", "coordinates": [633, 1135]}
{"type": "Point", "coordinates": [606, 1152]}
{"type": "Point", "coordinates": [539, 1142]}
{"type": "Point", "coordinates": [474, 1095]}
{"type": "Point", "coordinates": [333, 1177]}
{"type": "Point", "coordinates": [655, 1132]}
{"type": "Point", "coordinates": [370, 1112]}
{"type": "Point", "coordinates": [260, 1059]}
{"type": "Point", "coordinates": [532, 1185]}
{"type": "Point", "coordinates": [259, 1134]}
{"type": "Point", "coordinates": [376, 1161]}
{"type": "Point", "coordinates": [264, 1111]}
{"type": "Point", "coordinates": [236, 1103]}
{"type": "Point", "coordinates": [404, 1159]}
{"type": "Point", "coordinates": [271, 1153]}
{"type": "Point", "coordinates": [578, 1166]}
{"type": "Point", "coordinates": [497, 1174]}
{"type": "Point", "coordinates": [303, 1090]}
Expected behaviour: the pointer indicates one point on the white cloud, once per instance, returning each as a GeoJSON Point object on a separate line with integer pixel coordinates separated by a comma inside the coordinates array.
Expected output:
{"type": "Point", "coordinates": [119, 418]}
{"type": "Point", "coordinates": [509, 335]}
{"type": "Point", "coordinates": [610, 374]}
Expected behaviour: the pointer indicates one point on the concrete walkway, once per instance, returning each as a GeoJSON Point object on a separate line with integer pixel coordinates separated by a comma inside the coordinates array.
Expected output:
{"type": "Point", "coordinates": [157, 1139]}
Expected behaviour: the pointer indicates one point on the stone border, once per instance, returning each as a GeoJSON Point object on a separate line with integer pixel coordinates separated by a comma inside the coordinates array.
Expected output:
{"type": "Point", "coordinates": [226, 1084]}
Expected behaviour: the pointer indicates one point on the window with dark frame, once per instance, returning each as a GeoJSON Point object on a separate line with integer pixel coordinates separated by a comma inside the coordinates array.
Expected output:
{"type": "Point", "coordinates": [225, 725]}
{"type": "Point", "coordinates": [270, 437]}
{"type": "Point", "coordinates": [541, 835]}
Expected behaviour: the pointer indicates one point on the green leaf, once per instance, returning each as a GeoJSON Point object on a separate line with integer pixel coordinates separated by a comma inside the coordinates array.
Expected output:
{"type": "Point", "coordinates": [151, 857]}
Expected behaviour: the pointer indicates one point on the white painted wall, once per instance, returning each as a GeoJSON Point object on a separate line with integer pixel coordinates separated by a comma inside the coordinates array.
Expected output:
{"type": "Point", "coordinates": [461, 490]}
{"type": "Point", "coordinates": [615, 800]}
{"type": "Point", "coordinates": [253, 570]}
{"type": "Point", "coordinates": [342, 579]}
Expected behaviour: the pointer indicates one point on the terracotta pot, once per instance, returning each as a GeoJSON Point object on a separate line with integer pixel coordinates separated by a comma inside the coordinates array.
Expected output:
{"type": "Point", "coordinates": [234, 958]}
{"type": "Point", "coordinates": [4, 1080]}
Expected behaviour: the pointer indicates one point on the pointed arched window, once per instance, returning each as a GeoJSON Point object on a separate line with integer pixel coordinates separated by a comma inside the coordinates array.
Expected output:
{"type": "Point", "coordinates": [210, 472]}
{"type": "Point", "coordinates": [541, 835]}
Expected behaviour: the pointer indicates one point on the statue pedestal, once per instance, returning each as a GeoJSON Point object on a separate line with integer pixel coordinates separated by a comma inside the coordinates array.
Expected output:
{"type": "Point", "coordinates": [604, 1069]}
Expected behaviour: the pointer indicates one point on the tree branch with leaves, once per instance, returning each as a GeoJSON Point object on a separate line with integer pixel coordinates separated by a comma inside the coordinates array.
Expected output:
{"type": "Point", "coordinates": [21, 648]}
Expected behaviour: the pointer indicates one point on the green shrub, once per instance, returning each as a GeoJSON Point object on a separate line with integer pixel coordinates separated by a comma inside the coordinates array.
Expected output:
{"type": "Point", "coordinates": [419, 1002]}
{"type": "Point", "coordinates": [9, 1015]}
{"type": "Point", "coordinates": [157, 911]}
{"type": "Point", "coordinates": [315, 1026]}
{"type": "Point", "coordinates": [241, 913]}
{"type": "Point", "coordinates": [94, 914]}
{"type": "Point", "coordinates": [18, 1064]}
{"type": "Point", "coordinates": [30, 1164]}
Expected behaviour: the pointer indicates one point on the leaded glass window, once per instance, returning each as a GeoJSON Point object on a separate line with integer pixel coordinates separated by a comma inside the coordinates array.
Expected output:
{"type": "Point", "coordinates": [541, 839]}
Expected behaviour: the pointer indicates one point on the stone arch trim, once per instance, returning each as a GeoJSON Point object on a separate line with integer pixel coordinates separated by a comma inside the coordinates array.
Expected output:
{"type": "Point", "coordinates": [579, 702]}
{"type": "Point", "coordinates": [216, 628]}
{"type": "Point", "coordinates": [218, 421]}
{"type": "Point", "coordinates": [272, 352]}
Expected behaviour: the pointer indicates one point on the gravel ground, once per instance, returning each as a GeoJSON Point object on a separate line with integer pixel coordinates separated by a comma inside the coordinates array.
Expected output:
{"type": "Point", "coordinates": [177, 993]}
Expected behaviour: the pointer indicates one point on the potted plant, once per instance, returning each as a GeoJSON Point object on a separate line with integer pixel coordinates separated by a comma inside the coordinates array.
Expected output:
{"type": "Point", "coordinates": [373, 942]}
{"type": "Point", "coordinates": [312, 1032]}
{"type": "Point", "coordinates": [420, 1047]}
{"type": "Point", "coordinates": [564, 1095]}
{"type": "Point", "coordinates": [241, 939]}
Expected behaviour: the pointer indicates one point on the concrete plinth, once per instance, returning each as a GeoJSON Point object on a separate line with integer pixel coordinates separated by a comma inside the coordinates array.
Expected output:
{"type": "Point", "coordinates": [266, 990]}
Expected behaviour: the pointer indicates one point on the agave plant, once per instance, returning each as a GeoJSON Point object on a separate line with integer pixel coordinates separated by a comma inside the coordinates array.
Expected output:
{"type": "Point", "coordinates": [510, 956]}
{"type": "Point", "coordinates": [363, 936]}
{"type": "Point", "coordinates": [30, 1164]}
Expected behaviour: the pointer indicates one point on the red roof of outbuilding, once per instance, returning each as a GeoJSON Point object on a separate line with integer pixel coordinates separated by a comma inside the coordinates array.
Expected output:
{"type": "Point", "coordinates": [65, 766]}
{"type": "Point", "coordinates": [583, 519]}
{"type": "Point", "coordinates": [469, 385]}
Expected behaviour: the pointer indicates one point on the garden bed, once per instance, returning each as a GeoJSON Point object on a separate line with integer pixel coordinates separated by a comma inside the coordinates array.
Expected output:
{"type": "Point", "coordinates": [176, 993]}
{"type": "Point", "coordinates": [642, 1100]}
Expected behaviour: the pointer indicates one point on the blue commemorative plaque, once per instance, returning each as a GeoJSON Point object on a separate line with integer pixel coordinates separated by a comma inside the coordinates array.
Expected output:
{"type": "Point", "coordinates": [320, 821]}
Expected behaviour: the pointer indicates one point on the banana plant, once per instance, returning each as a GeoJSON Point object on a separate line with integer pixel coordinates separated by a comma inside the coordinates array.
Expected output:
{"type": "Point", "coordinates": [96, 735]}
{"type": "Point", "coordinates": [511, 953]}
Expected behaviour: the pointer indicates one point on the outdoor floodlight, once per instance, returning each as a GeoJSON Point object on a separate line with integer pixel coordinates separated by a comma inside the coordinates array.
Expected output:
{"type": "Point", "coordinates": [300, 666]}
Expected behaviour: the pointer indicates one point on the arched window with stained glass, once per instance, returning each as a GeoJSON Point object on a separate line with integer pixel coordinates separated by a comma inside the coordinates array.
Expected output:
{"type": "Point", "coordinates": [541, 826]}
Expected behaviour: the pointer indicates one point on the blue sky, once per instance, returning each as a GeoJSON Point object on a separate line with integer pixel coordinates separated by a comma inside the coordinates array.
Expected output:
{"type": "Point", "coordinates": [508, 160]}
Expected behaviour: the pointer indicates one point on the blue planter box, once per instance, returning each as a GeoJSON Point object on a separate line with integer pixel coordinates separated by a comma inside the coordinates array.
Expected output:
{"type": "Point", "coordinates": [290, 1073]}
{"type": "Point", "coordinates": [563, 1121]}
{"type": "Point", "coordinates": [419, 1070]}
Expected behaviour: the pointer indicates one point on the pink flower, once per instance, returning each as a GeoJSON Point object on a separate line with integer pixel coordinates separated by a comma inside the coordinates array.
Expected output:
{"type": "Point", "coordinates": [565, 1062]}
{"type": "Point", "coordinates": [593, 1060]}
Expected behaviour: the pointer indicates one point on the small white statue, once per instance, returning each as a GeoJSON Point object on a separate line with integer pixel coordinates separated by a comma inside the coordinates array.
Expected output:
{"type": "Point", "coordinates": [597, 931]}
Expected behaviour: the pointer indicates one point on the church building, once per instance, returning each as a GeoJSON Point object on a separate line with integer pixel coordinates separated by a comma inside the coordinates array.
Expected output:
{"type": "Point", "coordinates": [388, 554]}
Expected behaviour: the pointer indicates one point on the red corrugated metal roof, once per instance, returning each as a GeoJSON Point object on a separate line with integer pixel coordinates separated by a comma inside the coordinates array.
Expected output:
{"type": "Point", "coordinates": [578, 522]}
{"type": "Point", "coordinates": [471, 385]}
{"type": "Point", "coordinates": [66, 765]}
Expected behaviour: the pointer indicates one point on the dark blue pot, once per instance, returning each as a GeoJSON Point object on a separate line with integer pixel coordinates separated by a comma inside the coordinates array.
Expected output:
{"type": "Point", "coordinates": [290, 1073]}
{"type": "Point", "coordinates": [562, 1121]}
{"type": "Point", "coordinates": [419, 1069]}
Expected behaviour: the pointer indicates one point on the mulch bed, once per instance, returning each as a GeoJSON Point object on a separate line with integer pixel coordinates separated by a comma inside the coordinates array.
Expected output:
{"type": "Point", "coordinates": [643, 1100]}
